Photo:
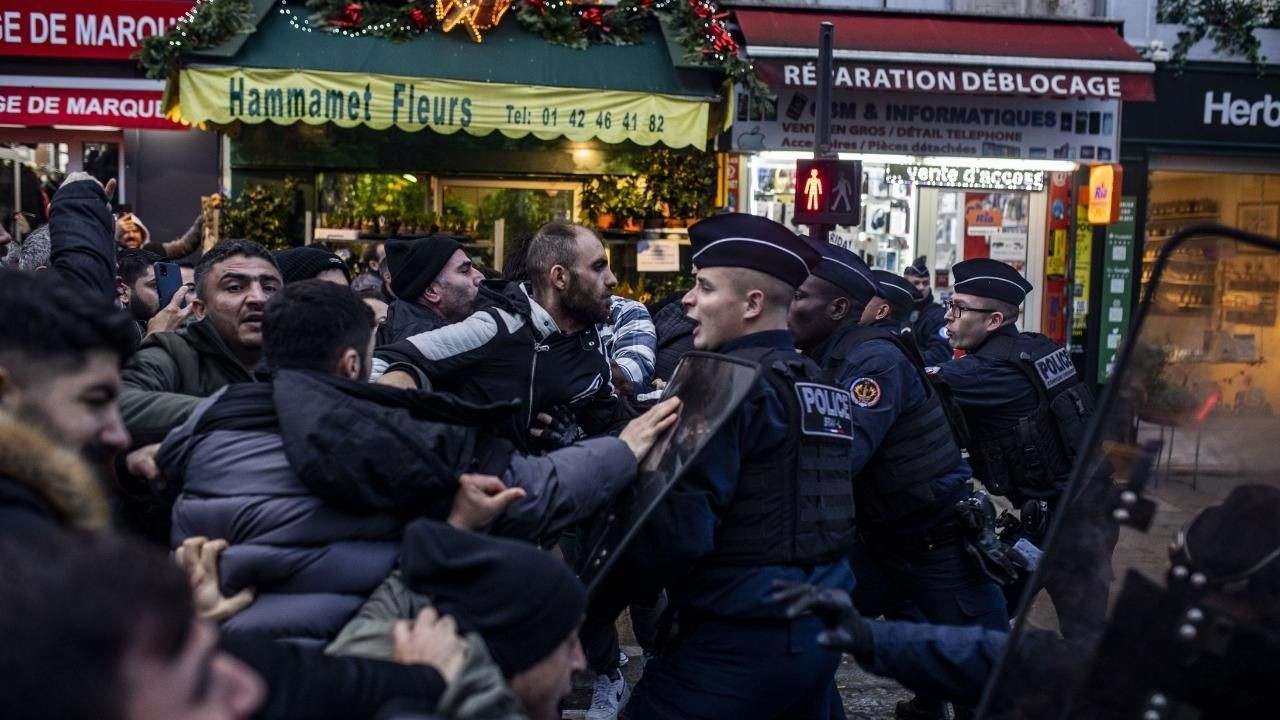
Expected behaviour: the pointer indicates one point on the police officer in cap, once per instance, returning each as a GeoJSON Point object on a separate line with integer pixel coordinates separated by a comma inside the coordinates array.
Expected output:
{"type": "Point", "coordinates": [768, 499]}
{"type": "Point", "coordinates": [911, 559]}
{"type": "Point", "coordinates": [926, 321]}
{"type": "Point", "coordinates": [894, 304]}
{"type": "Point", "coordinates": [1025, 406]}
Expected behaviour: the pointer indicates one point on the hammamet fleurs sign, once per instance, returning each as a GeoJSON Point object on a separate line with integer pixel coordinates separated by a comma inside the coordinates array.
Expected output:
{"type": "Point", "coordinates": [222, 95]}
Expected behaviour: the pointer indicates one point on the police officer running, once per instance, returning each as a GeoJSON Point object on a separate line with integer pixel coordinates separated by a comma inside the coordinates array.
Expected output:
{"type": "Point", "coordinates": [1024, 404]}
{"type": "Point", "coordinates": [767, 499]}
{"type": "Point", "coordinates": [911, 560]}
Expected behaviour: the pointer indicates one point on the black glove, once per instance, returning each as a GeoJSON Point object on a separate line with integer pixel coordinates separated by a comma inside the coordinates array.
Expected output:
{"type": "Point", "coordinates": [977, 515]}
{"type": "Point", "coordinates": [562, 430]}
{"type": "Point", "coordinates": [846, 629]}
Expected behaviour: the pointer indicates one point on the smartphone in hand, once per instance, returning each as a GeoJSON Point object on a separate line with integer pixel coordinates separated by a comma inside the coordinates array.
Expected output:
{"type": "Point", "coordinates": [168, 280]}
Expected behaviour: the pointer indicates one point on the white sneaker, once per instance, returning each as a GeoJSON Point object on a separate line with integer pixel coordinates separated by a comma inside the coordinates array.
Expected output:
{"type": "Point", "coordinates": [623, 659]}
{"type": "Point", "coordinates": [608, 698]}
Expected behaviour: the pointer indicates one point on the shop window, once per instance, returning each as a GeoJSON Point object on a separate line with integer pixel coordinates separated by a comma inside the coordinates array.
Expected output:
{"type": "Point", "coordinates": [886, 237]}
{"type": "Point", "coordinates": [487, 216]}
{"type": "Point", "coordinates": [375, 204]}
{"type": "Point", "coordinates": [24, 193]}
{"type": "Point", "coordinates": [1214, 314]}
{"type": "Point", "coordinates": [101, 160]}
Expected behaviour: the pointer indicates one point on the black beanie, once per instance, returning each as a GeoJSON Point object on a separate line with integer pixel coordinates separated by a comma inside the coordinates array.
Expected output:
{"type": "Point", "coordinates": [304, 263]}
{"type": "Point", "coordinates": [414, 264]}
{"type": "Point", "coordinates": [523, 601]}
{"type": "Point", "coordinates": [919, 268]}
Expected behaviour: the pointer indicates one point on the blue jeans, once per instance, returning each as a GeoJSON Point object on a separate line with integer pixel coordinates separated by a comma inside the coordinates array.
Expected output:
{"type": "Point", "coordinates": [748, 670]}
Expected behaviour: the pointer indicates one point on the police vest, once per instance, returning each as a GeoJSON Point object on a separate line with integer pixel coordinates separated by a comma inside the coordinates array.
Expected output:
{"type": "Point", "coordinates": [898, 480]}
{"type": "Point", "coordinates": [794, 507]}
{"type": "Point", "coordinates": [1033, 458]}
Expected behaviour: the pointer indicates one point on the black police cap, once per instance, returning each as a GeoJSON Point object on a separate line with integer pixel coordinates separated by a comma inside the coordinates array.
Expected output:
{"type": "Point", "coordinates": [919, 268]}
{"type": "Point", "coordinates": [847, 271]}
{"type": "Point", "coordinates": [895, 289]}
{"type": "Point", "coordinates": [989, 278]}
{"type": "Point", "coordinates": [752, 242]}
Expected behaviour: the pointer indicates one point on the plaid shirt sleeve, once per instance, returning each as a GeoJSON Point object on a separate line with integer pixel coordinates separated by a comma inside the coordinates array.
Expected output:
{"type": "Point", "coordinates": [630, 340]}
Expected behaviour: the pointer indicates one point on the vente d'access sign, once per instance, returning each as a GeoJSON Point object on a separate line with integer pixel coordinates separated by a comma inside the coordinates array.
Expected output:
{"type": "Point", "coordinates": [828, 192]}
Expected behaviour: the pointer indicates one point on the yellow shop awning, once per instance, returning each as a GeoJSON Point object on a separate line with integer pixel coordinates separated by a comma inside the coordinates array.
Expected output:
{"type": "Point", "coordinates": [221, 95]}
{"type": "Point", "coordinates": [513, 82]}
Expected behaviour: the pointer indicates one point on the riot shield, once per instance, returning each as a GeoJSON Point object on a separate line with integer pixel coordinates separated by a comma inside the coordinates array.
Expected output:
{"type": "Point", "coordinates": [710, 388]}
{"type": "Point", "coordinates": [1163, 556]}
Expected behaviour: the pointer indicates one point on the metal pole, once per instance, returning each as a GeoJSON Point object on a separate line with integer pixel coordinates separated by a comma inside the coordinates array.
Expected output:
{"type": "Point", "coordinates": [822, 138]}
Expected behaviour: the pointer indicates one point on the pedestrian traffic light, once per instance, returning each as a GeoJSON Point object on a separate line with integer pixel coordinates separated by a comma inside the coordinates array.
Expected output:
{"type": "Point", "coordinates": [828, 192]}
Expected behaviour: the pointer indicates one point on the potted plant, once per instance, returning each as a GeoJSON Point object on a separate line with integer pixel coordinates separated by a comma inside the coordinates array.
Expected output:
{"type": "Point", "coordinates": [633, 203]}
{"type": "Point", "coordinates": [597, 202]}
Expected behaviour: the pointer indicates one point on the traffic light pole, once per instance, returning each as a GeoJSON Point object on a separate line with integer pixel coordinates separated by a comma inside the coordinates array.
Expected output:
{"type": "Point", "coordinates": [822, 138]}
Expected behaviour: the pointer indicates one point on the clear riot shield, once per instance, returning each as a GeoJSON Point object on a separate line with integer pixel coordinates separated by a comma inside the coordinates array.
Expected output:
{"type": "Point", "coordinates": [710, 388]}
{"type": "Point", "coordinates": [1165, 555]}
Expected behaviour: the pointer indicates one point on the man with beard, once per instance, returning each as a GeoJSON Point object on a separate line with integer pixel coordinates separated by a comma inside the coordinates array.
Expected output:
{"type": "Point", "coordinates": [926, 321]}
{"type": "Point", "coordinates": [164, 381]}
{"type": "Point", "coordinates": [60, 356]}
{"type": "Point", "coordinates": [535, 342]}
{"type": "Point", "coordinates": [434, 282]}
{"type": "Point", "coordinates": [136, 285]}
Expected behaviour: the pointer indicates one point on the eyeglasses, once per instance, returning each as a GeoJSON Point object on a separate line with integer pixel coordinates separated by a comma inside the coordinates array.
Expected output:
{"type": "Point", "coordinates": [950, 307]}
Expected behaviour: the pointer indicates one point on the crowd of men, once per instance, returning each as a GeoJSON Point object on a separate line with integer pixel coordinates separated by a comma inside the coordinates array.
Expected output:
{"type": "Point", "coordinates": [377, 491]}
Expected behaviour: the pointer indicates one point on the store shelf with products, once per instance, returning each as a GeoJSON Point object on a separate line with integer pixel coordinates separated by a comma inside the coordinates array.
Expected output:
{"type": "Point", "coordinates": [1190, 274]}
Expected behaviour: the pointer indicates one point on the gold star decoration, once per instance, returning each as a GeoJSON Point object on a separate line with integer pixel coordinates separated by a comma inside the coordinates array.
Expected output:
{"type": "Point", "coordinates": [474, 15]}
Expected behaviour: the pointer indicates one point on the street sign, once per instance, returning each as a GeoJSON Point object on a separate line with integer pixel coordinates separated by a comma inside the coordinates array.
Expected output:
{"type": "Point", "coordinates": [828, 192]}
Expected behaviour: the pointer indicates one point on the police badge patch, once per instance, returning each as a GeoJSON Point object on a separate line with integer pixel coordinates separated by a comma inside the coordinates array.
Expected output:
{"type": "Point", "coordinates": [865, 392]}
{"type": "Point", "coordinates": [825, 411]}
{"type": "Point", "coordinates": [1055, 368]}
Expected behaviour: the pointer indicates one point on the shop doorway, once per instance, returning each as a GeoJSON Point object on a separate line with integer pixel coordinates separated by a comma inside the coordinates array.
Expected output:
{"type": "Point", "coordinates": [978, 224]}
{"type": "Point", "coordinates": [492, 213]}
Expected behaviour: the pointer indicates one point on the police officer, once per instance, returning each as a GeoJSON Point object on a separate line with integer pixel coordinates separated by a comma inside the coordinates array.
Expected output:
{"type": "Point", "coordinates": [895, 302]}
{"type": "Point", "coordinates": [910, 560]}
{"type": "Point", "coordinates": [767, 499]}
{"type": "Point", "coordinates": [926, 321]}
{"type": "Point", "coordinates": [1237, 558]}
{"type": "Point", "coordinates": [1024, 404]}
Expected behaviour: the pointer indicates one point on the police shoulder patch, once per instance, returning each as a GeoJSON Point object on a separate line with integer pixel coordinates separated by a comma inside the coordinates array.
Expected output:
{"type": "Point", "coordinates": [825, 411]}
{"type": "Point", "coordinates": [865, 392]}
{"type": "Point", "coordinates": [932, 370]}
{"type": "Point", "coordinates": [1055, 368]}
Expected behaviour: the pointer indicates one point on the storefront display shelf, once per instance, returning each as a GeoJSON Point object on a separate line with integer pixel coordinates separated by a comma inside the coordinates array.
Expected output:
{"type": "Point", "coordinates": [1182, 218]}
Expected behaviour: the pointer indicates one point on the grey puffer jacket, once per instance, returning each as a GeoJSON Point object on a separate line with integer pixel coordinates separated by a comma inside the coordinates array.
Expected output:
{"type": "Point", "coordinates": [311, 478]}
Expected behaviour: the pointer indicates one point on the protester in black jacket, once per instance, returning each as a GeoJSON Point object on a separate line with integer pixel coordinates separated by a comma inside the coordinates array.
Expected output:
{"type": "Point", "coordinates": [435, 284]}
{"type": "Point", "coordinates": [82, 248]}
{"type": "Point", "coordinates": [535, 344]}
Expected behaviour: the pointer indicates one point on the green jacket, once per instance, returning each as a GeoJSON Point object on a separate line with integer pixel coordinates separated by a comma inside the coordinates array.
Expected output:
{"type": "Point", "coordinates": [170, 374]}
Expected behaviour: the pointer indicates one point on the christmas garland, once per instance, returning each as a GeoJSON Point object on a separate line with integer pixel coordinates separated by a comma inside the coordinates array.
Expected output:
{"type": "Point", "coordinates": [698, 26]}
{"type": "Point", "coordinates": [207, 24]}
